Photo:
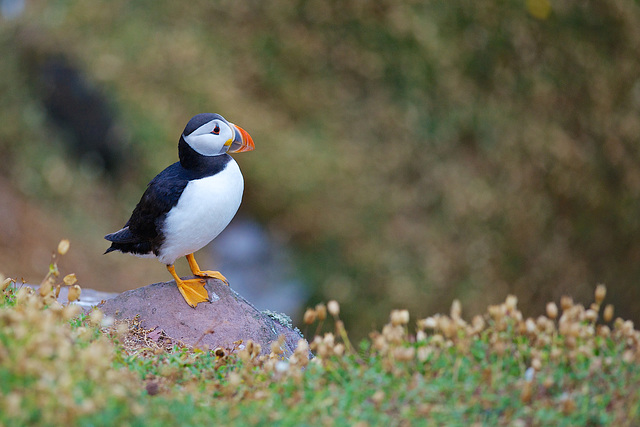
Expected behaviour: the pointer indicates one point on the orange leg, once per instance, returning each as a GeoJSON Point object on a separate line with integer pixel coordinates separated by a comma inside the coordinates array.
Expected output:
{"type": "Point", "coordinates": [192, 290]}
{"type": "Point", "coordinates": [196, 270]}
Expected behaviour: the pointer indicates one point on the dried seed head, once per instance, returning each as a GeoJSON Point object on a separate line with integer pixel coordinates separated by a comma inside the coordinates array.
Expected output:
{"type": "Point", "coordinates": [234, 379]}
{"type": "Point", "coordinates": [53, 269]}
{"type": "Point", "coordinates": [478, 323]}
{"type": "Point", "coordinates": [70, 279]}
{"type": "Point", "coordinates": [74, 293]}
{"type": "Point", "coordinates": [23, 295]}
{"type": "Point", "coordinates": [63, 246]}
{"type": "Point", "coordinates": [329, 339]}
{"type": "Point", "coordinates": [309, 316]}
{"type": "Point", "coordinates": [122, 329]}
{"type": "Point", "coordinates": [107, 322]}
{"type": "Point", "coordinates": [424, 353]}
{"type": "Point", "coordinates": [447, 326]}
{"type": "Point", "coordinates": [530, 325]}
{"type": "Point", "coordinates": [566, 303]}
{"type": "Point", "coordinates": [617, 324]}
{"type": "Point", "coordinates": [50, 300]}
{"type": "Point", "coordinates": [46, 288]}
{"type": "Point", "coordinates": [96, 316]}
{"type": "Point", "coordinates": [497, 312]}
{"type": "Point", "coordinates": [322, 350]}
{"type": "Point", "coordinates": [542, 321]}
{"type": "Point", "coordinates": [428, 323]}
{"type": "Point", "coordinates": [511, 302]}
{"type": "Point", "coordinates": [399, 317]}
{"type": "Point", "coordinates": [627, 327]}
{"type": "Point", "coordinates": [393, 334]}
{"type": "Point", "coordinates": [71, 311]}
{"type": "Point", "coordinates": [5, 283]}
{"type": "Point", "coordinates": [536, 364]}
{"type": "Point", "coordinates": [552, 310]}
{"type": "Point", "coordinates": [249, 347]}
{"type": "Point", "coordinates": [404, 354]}
{"type": "Point", "coordinates": [378, 397]}
{"type": "Point", "coordinates": [257, 348]}
{"type": "Point", "coordinates": [437, 339]}
{"type": "Point", "coordinates": [275, 347]}
{"type": "Point", "coordinates": [456, 309]}
{"type": "Point", "coordinates": [303, 346]}
{"type": "Point", "coordinates": [604, 331]}
{"type": "Point", "coordinates": [601, 293]}
{"type": "Point", "coordinates": [591, 315]}
{"type": "Point", "coordinates": [333, 307]}
{"type": "Point", "coordinates": [321, 311]}
{"type": "Point", "coordinates": [574, 330]}
{"type": "Point", "coordinates": [380, 343]}
{"type": "Point", "coordinates": [607, 315]}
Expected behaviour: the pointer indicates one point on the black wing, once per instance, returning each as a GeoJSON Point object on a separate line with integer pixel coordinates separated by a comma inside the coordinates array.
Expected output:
{"type": "Point", "coordinates": [142, 233]}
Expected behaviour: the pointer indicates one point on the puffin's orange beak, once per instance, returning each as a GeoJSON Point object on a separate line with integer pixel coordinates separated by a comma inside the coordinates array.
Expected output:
{"type": "Point", "coordinates": [242, 141]}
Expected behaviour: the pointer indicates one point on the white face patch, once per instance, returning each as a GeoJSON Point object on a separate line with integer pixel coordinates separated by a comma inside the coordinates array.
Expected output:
{"type": "Point", "coordinates": [212, 138]}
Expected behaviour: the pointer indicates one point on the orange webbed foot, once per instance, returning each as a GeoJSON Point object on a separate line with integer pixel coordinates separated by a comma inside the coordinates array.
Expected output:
{"type": "Point", "coordinates": [212, 275]}
{"type": "Point", "coordinates": [195, 269]}
{"type": "Point", "coordinates": [192, 290]}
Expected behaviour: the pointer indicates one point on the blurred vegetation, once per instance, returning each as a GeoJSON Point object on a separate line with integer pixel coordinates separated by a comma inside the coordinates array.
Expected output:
{"type": "Point", "coordinates": [60, 366]}
{"type": "Point", "coordinates": [412, 152]}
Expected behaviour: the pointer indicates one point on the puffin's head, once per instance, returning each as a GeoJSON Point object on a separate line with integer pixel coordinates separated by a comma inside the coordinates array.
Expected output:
{"type": "Point", "coordinates": [211, 135]}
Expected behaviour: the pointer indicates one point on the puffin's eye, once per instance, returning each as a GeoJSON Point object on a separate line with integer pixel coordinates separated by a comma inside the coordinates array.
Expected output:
{"type": "Point", "coordinates": [216, 130]}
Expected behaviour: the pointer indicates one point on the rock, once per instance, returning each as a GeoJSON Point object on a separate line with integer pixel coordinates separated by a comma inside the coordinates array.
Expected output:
{"type": "Point", "coordinates": [220, 323]}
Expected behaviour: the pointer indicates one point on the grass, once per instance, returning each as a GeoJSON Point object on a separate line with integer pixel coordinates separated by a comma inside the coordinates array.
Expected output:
{"type": "Point", "coordinates": [575, 365]}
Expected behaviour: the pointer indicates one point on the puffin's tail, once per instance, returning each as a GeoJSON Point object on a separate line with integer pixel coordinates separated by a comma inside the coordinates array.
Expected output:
{"type": "Point", "coordinates": [125, 241]}
{"type": "Point", "coordinates": [121, 236]}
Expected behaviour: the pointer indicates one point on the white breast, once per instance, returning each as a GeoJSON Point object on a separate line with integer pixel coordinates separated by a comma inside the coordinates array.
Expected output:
{"type": "Point", "coordinates": [204, 209]}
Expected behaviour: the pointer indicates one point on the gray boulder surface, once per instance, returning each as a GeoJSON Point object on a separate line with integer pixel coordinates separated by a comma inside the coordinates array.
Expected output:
{"type": "Point", "coordinates": [225, 320]}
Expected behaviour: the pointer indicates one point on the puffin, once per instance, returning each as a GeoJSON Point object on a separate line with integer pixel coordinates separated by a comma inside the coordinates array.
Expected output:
{"type": "Point", "coordinates": [189, 203]}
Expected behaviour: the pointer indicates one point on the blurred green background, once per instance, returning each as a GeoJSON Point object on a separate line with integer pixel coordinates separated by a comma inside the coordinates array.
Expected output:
{"type": "Point", "coordinates": [408, 152]}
